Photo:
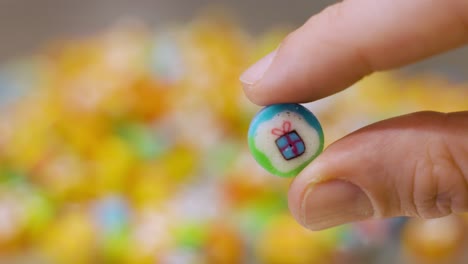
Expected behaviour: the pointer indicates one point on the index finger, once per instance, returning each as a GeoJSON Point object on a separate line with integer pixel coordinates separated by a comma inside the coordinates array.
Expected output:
{"type": "Point", "coordinates": [352, 39]}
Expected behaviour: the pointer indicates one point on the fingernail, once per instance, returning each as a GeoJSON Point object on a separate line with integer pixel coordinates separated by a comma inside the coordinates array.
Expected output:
{"type": "Point", "coordinates": [334, 203]}
{"type": "Point", "coordinates": [255, 72]}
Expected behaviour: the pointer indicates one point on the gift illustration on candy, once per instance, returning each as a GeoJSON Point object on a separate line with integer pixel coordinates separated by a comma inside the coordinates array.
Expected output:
{"type": "Point", "coordinates": [289, 143]}
{"type": "Point", "coordinates": [290, 129]}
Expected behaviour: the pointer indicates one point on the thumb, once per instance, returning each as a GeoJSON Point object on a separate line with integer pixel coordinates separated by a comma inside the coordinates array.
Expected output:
{"type": "Point", "coordinates": [414, 165]}
{"type": "Point", "coordinates": [351, 39]}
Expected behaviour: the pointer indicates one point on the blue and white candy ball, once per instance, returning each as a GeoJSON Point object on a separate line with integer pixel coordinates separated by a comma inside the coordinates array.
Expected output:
{"type": "Point", "coordinates": [285, 138]}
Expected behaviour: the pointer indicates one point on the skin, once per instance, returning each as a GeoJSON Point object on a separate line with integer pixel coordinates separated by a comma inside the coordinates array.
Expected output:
{"type": "Point", "coordinates": [413, 165]}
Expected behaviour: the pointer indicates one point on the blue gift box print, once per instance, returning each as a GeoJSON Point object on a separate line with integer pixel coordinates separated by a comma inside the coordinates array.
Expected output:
{"type": "Point", "coordinates": [289, 143]}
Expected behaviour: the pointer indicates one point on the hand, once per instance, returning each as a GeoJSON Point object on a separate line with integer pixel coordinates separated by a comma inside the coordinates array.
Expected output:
{"type": "Point", "coordinates": [414, 165]}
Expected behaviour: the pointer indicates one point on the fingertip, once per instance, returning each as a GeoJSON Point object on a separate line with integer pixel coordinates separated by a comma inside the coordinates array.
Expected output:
{"type": "Point", "coordinates": [254, 96]}
{"type": "Point", "coordinates": [349, 40]}
{"type": "Point", "coordinates": [256, 72]}
{"type": "Point", "coordinates": [252, 77]}
{"type": "Point", "coordinates": [308, 65]}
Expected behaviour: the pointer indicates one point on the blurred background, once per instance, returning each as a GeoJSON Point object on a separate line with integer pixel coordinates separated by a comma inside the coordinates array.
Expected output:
{"type": "Point", "coordinates": [123, 138]}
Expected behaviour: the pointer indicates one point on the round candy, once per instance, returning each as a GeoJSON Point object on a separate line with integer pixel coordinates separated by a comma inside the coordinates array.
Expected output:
{"type": "Point", "coordinates": [284, 138]}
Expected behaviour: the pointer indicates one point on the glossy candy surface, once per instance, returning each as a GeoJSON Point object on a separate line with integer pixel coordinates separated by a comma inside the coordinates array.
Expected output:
{"type": "Point", "coordinates": [284, 138]}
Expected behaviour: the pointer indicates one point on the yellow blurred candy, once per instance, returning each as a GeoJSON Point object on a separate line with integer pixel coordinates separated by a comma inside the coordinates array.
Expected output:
{"type": "Point", "coordinates": [439, 240]}
{"type": "Point", "coordinates": [285, 241]}
{"type": "Point", "coordinates": [156, 180]}
{"type": "Point", "coordinates": [70, 239]}
{"type": "Point", "coordinates": [151, 185]}
{"type": "Point", "coordinates": [224, 245]}
{"type": "Point", "coordinates": [32, 124]}
{"type": "Point", "coordinates": [180, 163]}
{"type": "Point", "coordinates": [82, 133]}
{"type": "Point", "coordinates": [111, 165]}
{"type": "Point", "coordinates": [148, 100]}
{"type": "Point", "coordinates": [40, 213]}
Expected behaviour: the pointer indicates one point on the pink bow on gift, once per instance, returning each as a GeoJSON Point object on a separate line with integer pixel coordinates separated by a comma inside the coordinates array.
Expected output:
{"type": "Point", "coordinates": [285, 129]}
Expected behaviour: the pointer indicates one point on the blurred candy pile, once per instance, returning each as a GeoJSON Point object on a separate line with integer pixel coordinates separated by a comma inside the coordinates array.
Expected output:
{"type": "Point", "coordinates": [130, 147]}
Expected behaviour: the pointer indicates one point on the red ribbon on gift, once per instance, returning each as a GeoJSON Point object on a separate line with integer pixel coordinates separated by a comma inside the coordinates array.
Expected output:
{"type": "Point", "coordinates": [285, 129]}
